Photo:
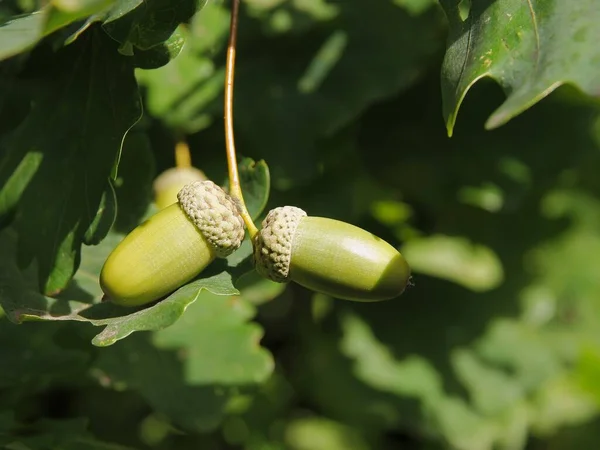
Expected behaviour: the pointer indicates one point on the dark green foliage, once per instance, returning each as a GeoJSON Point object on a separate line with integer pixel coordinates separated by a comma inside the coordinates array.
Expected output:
{"type": "Point", "coordinates": [340, 110]}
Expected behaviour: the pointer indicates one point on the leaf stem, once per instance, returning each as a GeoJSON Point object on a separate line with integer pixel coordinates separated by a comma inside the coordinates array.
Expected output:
{"type": "Point", "coordinates": [182, 155]}
{"type": "Point", "coordinates": [235, 190]}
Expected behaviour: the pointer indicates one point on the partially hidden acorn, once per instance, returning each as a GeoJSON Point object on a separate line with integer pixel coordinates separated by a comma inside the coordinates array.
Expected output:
{"type": "Point", "coordinates": [328, 256]}
{"type": "Point", "coordinates": [167, 185]}
{"type": "Point", "coordinates": [173, 246]}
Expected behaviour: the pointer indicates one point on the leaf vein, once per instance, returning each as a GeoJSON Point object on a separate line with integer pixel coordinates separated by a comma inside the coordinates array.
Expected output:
{"type": "Point", "coordinates": [536, 33]}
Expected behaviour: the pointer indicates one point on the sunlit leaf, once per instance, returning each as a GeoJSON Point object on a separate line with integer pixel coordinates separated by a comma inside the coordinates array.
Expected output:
{"type": "Point", "coordinates": [529, 48]}
{"type": "Point", "coordinates": [218, 319]}
{"type": "Point", "coordinates": [455, 259]}
{"type": "Point", "coordinates": [317, 433]}
{"type": "Point", "coordinates": [21, 33]}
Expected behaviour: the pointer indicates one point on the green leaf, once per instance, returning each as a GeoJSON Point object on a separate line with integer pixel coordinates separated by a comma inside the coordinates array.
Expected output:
{"type": "Point", "coordinates": [134, 181]}
{"type": "Point", "coordinates": [161, 378]}
{"type": "Point", "coordinates": [327, 378]}
{"type": "Point", "coordinates": [412, 377]}
{"type": "Point", "coordinates": [269, 403]}
{"type": "Point", "coordinates": [240, 361]}
{"type": "Point", "coordinates": [317, 433]}
{"type": "Point", "coordinates": [456, 259]}
{"type": "Point", "coordinates": [162, 53]}
{"type": "Point", "coordinates": [85, 286]}
{"type": "Point", "coordinates": [23, 32]}
{"type": "Point", "coordinates": [64, 151]}
{"type": "Point", "coordinates": [150, 24]}
{"type": "Point", "coordinates": [19, 295]}
{"type": "Point", "coordinates": [105, 217]}
{"type": "Point", "coordinates": [121, 8]}
{"type": "Point", "coordinates": [162, 315]}
{"type": "Point", "coordinates": [492, 391]}
{"type": "Point", "coordinates": [529, 48]}
{"type": "Point", "coordinates": [66, 12]}
{"type": "Point", "coordinates": [257, 289]}
{"type": "Point", "coordinates": [82, 7]}
{"type": "Point", "coordinates": [560, 403]}
{"type": "Point", "coordinates": [415, 7]}
{"type": "Point", "coordinates": [32, 360]}
{"type": "Point", "coordinates": [256, 182]}
{"type": "Point", "coordinates": [588, 369]}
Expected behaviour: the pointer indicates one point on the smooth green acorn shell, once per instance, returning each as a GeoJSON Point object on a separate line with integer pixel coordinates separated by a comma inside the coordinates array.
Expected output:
{"type": "Point", "coordinates": [150, 262]}
{"type": "Point", "coordinates": [345, 261]}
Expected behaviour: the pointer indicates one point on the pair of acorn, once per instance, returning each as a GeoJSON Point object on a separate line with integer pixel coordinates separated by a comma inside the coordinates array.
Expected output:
{"type": "Point", "coordinates": [178, 242]}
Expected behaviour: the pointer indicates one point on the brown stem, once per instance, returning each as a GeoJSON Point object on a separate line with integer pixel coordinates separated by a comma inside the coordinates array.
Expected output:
{"type": "Point", "coordinates": [235, 189]}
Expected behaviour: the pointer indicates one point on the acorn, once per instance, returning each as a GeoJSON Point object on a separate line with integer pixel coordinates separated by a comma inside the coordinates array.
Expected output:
{"type": "Point", "coordinates": [173, 246]}
{"type": "Point", "coordinates": [169, 183]}
{"type": "Point", "coordinates": [328, 256]}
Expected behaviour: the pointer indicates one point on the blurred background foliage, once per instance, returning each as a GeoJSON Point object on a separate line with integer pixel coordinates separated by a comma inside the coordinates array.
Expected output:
{"type": "Point", "coordinates": [497, 344]}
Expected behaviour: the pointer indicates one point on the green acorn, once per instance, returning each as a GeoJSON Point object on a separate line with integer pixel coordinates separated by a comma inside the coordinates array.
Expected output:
{"type": "Point", "coordinates": [168, 184]}
{"type": "Point", "coordinates": [173, 246]}
{"type": "Point", "coordinates": [328, 256]}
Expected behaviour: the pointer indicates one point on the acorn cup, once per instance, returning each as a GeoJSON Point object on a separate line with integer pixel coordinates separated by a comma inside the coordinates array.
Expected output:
{"type": "Point", "coordinates": [328, 256]}
{"type": "Point", "coordinates": [173, 246]}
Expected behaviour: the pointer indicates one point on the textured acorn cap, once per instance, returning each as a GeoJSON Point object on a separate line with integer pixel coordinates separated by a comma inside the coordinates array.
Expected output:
{"type": "Point", "coordinates": [273, 243]}
{"type": "Point", "coordinates": [215, 214]}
